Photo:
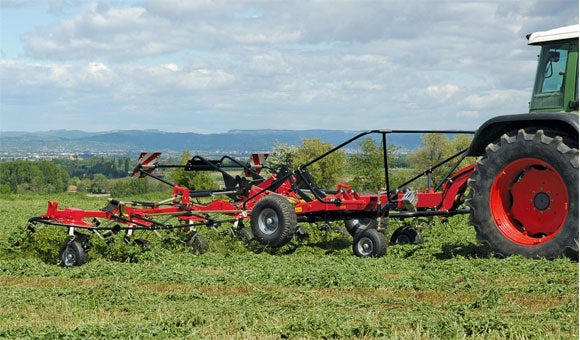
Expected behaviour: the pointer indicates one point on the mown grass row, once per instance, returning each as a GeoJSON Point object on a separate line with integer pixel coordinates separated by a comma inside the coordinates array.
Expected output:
{"type": "Point", "coordinates": [448, 287]}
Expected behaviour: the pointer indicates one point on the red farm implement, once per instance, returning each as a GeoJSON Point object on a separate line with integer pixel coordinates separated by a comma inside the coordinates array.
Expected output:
{"type": "Point", "coordinates": [274, 205]}
{"type": "Point", "coordinates": [521, 193]}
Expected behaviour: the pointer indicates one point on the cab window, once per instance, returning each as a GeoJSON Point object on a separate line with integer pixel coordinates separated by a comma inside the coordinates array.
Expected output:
{"type": "Point", "coordinates": [550, 77]}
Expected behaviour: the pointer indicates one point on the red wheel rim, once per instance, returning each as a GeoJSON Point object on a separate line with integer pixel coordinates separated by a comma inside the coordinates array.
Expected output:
{"type": "Point", "coordinates": [529, 201]}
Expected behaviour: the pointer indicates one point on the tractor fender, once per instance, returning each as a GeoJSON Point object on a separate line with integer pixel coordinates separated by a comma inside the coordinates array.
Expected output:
{"type": "Point", "coordinates": [560, 124]}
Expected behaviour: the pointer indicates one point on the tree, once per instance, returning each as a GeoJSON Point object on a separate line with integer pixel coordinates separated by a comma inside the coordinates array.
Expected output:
{"type": "Point", "coordinates": [437, 147]}
{"type": "Point", "coordinates": [129, 187]}
{"type": "Point", "coordinates": [41, 177]}
{"type": "Point", "coordinates": [196, 180]}
{"type": "Point", "coordinates": [282, 155]}
{"type": "Point", "coordinates": [367, 166]}
{"type": "Point", "coordinates": [100, 184]}
{"type": "Point", "coordinates": [325, 172]}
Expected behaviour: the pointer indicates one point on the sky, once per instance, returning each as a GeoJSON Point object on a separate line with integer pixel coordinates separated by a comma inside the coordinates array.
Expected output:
{"type": "Point", "coordinates": [212, 66]}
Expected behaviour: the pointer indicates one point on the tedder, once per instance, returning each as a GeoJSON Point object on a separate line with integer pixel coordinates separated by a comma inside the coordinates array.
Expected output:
{"type": "Point", "coordinates": [521, 194]}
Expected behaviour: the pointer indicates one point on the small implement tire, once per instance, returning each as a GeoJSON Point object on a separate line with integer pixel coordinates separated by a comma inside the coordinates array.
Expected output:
{"type": "Point", "coordinates": [72, 254]}
{"type": "Point", "coordinates": [355, 224]}
{"type": "Point", "coordinates": [524, 196]}
{"type": "Point", "coordinates": [245, 234]}
{"type": "Point", "coordinates": [143, 243]}
{"type": "Point", "coordinates": [405, 235]}
{"type": "Point", "coordinates": [198, 244]}
{"type": "Point", "coordinates": [273, 221]}
{"type": "Point", "coordinates": [369, 243]}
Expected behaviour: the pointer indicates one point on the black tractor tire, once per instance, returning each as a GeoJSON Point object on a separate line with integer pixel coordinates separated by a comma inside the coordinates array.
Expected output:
{"type": "Point", "coordinates": [369, 243]}
{"type": "Point", "coordinates": [72, 254]}
{"type": "Point", "coordinates": [273, 221]}
{"type": "Point", "coordinates": [524, 196]}
{"type": "Point", "coordinates": [355, 224]}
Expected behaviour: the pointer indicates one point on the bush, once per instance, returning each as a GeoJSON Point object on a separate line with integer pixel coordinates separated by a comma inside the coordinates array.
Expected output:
{"type": "Point", "coordinates": [195, 180]}
{"type": "Point", "coordinates": [129, 187]}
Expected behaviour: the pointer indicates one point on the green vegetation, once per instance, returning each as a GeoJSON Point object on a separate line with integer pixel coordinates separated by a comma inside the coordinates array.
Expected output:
{"type": "Point", "coordinates": [107, 166]}
{"type": "Point", "coordinates": [197, 180]}
{"type": "Point", "coordinates": [326, 172]}
{"type": "Point", "coordinates": [436, 148]}
{"type": "Point", "coordinates": [39, 177]}
{"type": "Point", "coordinates": [448, 287]}
{"type": "Point", "coordinates": [367, 168]}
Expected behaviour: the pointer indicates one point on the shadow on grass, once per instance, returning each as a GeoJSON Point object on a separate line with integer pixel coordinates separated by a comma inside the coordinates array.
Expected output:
{"type": "Point", "coordinates": [333, 246]}
{"type": "Point", "coordinates": [470, 251]}
{"type": "Point", "coordinates": [326, 247]}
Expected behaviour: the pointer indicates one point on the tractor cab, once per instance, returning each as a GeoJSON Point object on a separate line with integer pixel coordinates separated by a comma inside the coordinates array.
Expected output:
{"type": "Point", "coordinates": [556, 84]}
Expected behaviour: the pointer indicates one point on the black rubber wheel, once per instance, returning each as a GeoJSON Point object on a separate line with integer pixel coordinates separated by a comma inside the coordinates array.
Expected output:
{"type": "Point", "coordinates": [405, 235]}
{"type": "Point", "coordinates": [245, 234]}
{"type": "Point", "coordinates": [369, 243]}
{"type": "Point", "coordinates": [143, 243]}
{"type": "Point", "coordinates": [72, 254]}
{"type": "Point", "coordinates": [198, 244]}
{"type": "Point", "coordinates": [355, 224]}
{"type": "Point", "coordinates": [273, 221]}
{"type": "Point", "coordinates": [524, 196]}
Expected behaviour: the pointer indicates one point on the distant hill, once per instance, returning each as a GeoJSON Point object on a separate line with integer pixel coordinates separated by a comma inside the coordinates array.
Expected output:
{"type": "Point", "coordinates": [132, 141]}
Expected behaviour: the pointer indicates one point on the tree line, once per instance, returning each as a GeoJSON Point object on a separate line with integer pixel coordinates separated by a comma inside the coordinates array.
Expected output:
{"type": "Point", "coordinates": [88, 175]}
{"type": "Point", "coordinates": [363, 169]}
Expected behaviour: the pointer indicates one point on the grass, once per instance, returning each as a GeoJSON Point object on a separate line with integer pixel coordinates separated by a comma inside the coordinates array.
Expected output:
{"type": "Point", "coordinates": [448, 287]}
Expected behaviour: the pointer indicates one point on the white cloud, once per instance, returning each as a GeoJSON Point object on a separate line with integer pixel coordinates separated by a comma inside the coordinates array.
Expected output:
{"type": "Point", "coordinates": [494, 98]}
{"type": "Point", "coordinates": [204, 79]}
{"type": "Point", "coordinates": [467, 114]}
{"type": "Point", "coordinates": [326, 64]}
{"type": "Point", "coordinates": [268, 37]}
{"type": "Point", "coordinates": [443, 92]}
{"type": "Point", "coordinates": [368, 59]}
{"type": "Point", "coordinates": [269, 63]}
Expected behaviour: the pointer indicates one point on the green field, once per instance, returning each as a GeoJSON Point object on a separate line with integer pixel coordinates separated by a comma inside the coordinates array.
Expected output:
{"type": "Point", "coordinates": [448, 287]}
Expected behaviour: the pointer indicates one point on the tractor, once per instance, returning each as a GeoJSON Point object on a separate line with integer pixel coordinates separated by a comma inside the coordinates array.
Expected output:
{"type": "Point", "coordinates": [523, 194]}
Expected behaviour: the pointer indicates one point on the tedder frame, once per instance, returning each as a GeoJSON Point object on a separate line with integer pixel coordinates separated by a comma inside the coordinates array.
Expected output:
{"type": "Point", "coordinates": [274, 205]}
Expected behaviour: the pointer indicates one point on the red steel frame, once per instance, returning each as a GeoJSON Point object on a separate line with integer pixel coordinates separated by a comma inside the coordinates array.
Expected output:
{"type": "Point", "coordinates": [343, 203]}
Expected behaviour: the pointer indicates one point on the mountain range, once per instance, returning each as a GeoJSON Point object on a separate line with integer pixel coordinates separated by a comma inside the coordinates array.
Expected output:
{"type": "Point", "coordinates": [131, 141]}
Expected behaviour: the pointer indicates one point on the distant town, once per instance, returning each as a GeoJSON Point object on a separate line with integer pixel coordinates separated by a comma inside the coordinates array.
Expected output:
{"type": "Point", "coordinates": [60, 144]}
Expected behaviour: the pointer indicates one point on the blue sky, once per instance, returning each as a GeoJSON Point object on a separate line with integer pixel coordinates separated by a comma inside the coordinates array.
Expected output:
{"type": "Point", "coordinates": [212, 66]}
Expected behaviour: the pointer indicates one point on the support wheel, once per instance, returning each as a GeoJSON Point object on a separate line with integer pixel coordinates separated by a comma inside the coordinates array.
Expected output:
{"type": "Point", "coordinates": [353, 225]}
{"type": "Point", "coordinates": [273, 221]}
{"type": "Point", "coordinates": [369, 243]}
{"type": "Point", "coordinates": [524, 196]}
{"type": "Point", "coordinates": [143, 243]}
{"type": "Point", "coordinates": [405, 235]}
{"type": "Point", "coordinates": [72, 254]}
{"type": "Point", "coordinates": [245, 234]}
{"type": "Point", "coordinates": [198, 244]}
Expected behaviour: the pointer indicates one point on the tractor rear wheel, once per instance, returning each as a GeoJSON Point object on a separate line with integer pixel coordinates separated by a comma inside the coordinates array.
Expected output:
{"type": "Point", "coordinates": [273, 221]}
{"type": "Point", "coordinates": [524, 196]}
